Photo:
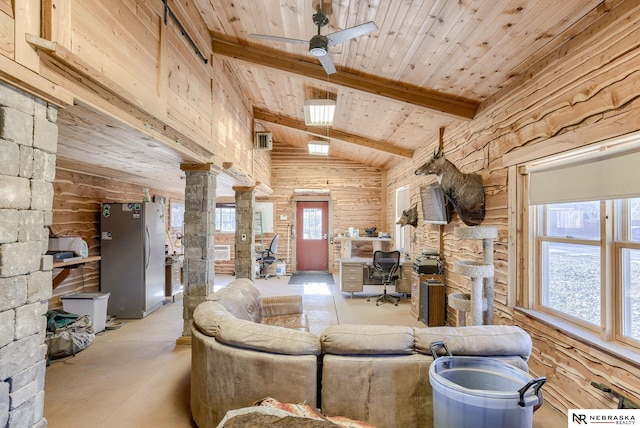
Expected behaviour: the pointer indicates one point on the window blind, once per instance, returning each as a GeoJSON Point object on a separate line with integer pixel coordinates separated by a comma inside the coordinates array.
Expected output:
{"type": "Point", "coordinates": [596, 176]}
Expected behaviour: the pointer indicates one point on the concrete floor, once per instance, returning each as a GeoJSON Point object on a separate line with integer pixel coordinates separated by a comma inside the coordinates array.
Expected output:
{"type": "Point", "coordinates": [136, 376]}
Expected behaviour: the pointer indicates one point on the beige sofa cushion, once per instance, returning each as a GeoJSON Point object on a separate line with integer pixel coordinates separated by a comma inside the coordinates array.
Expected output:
{"type": "Point", "coordinates": [367, 340]}
{"type": "Point", "coordinates": [207, 316]}
{"type": "Point", "coordinates": [241, 299]}
{"type": "Point", "coordinates": [295, 322]}
{"type": "Point", "coordinates": [267, 338]}
{"type": "Point", "coordinates": [486, 340]}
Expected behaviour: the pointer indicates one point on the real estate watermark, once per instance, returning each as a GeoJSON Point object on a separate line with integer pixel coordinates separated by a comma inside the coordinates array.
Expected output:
{"type": "Point", "coordinates": [579, 418]}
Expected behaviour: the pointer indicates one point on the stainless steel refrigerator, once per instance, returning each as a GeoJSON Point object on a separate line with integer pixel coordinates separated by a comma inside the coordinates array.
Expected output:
{"type": "Point", "coordinates": [133, 259]}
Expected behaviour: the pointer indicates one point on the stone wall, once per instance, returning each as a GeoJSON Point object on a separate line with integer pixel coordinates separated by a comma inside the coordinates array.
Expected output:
{"type": "Point", "coordinates": [199, 240]}
{"type": "Point", "coordinates": [28, 143]}
{"type": "Point", "coordinates": [244, 248]}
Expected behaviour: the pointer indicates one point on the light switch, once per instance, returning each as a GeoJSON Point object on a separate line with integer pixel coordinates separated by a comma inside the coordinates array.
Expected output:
{"type": "Point", "coordinates": [243, 237]}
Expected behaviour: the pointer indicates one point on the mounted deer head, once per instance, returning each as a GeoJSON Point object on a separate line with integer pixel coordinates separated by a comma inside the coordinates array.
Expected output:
{"type": "Point", "coordinates": [409, 216]}
{"type": "Point", "coordinates": [464, 191]}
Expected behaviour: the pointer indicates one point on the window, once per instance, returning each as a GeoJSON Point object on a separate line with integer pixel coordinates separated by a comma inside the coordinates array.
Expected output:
{"type": "Point", "coordinates": [312, 222]}
{"type": "Point", "coordinates": [575, 264]}
{"type": "Point", "coordinates": [402, 236]}
{"type": "Point", "coordinates": [225, 218]}
{"type": "Point", "coordinates": [584, 244]}
{"type": "Point", "coordinates": [568, 246]}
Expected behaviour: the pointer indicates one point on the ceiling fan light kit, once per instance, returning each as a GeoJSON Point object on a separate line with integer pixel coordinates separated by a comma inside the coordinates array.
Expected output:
{"type": "Point", "coordinates": [319, 112]}
{"type": "Point", "coordinates": [318, 147]}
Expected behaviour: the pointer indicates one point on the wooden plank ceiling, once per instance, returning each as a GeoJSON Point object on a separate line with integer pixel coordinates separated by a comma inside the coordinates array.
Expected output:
{"type": "Point", "coordinates": [429, 64]}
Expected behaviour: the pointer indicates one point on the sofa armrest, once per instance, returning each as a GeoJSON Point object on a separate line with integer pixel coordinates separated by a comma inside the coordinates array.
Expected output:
{"type": "Point", "coordinates": [281, 305]}
{"type": "Point", "coordinates": [207, 316]}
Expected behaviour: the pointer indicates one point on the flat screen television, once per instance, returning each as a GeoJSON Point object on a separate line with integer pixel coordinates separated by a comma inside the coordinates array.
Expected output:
{"type": "Point", "coordinates": [436, 209]}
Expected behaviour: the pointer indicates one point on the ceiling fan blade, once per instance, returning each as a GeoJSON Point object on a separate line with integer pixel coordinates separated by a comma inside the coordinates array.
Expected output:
{"type": "Point", "coordinates": [279, 39]}
{"type": "Point", "coordinates": [351, 33]}
{"type": "Point", "coordinates": [327, 63]}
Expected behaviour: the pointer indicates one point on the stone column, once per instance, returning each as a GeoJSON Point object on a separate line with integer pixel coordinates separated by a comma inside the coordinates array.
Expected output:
{"type": "Point", "coordinates": [245, 236]}
{"type": "Point", "coordinates": [28, 143]}
{"type": "Point", "coordinates": [199, 240]}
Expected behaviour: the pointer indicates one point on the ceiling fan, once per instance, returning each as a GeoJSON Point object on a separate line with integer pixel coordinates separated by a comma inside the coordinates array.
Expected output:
{"type": "Point", "coordinates": [319, 45]}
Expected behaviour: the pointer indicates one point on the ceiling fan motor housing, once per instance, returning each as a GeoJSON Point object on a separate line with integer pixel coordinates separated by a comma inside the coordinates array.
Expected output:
{"type": "Point", "coordinates": [320, 19]}
{"type": "Point", "coordinates": [318, 45]}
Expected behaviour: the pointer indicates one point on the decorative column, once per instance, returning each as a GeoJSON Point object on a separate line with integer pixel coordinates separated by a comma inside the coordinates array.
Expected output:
{"type": "Point", "coordinates": [198, 241]}
{"type": "Point", "coordinates": [479, 303]}
{"type": "Point", "coordinates": [28, 145]}
{"type": "Point", "coordinates": [245, 237]}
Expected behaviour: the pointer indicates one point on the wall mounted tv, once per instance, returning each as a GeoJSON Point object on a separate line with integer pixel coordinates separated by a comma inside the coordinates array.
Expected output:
{"type": "Point", "coordinates": [436, 209]}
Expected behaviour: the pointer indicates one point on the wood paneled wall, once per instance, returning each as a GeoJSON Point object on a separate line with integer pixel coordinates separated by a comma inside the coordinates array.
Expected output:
{"type": "Point", "coordinates": [583, 93]}
{"type": "Point", "coordinates": [355, 198]}
{"type": "Point", "coordinates": [76, 212]}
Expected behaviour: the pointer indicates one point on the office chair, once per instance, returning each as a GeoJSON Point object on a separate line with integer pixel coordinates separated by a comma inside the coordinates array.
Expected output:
{"type": "Point", "coordinates": [386, 268]}
{"type": "Point", "coordinates": [268, 257]}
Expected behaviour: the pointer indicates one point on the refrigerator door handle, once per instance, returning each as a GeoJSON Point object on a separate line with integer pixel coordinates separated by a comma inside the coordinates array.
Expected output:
{"type": "Point", "coordinates": [147, 247]}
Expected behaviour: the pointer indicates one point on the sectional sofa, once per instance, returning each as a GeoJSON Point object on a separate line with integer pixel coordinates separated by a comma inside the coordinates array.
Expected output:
{"type": "Point", "coordinates": [246, 347]}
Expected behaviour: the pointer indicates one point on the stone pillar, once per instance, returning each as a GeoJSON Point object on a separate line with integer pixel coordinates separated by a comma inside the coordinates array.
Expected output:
{"type": "Point", "coordinates": [28, 143]}
{"type": "Point", "coordinates": [198, 241]}
{"type": "Point", "coordinates": [245, 236]}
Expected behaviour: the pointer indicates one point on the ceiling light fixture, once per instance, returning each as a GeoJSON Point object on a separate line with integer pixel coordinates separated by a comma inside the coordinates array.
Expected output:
{"type": "Point", "coordinates": [319, 112]}
{"type": "Point", "coordinates": [318, 147]}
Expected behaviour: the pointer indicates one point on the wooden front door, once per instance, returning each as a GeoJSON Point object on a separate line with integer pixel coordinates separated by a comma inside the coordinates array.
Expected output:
{"type": "Point", "coordinates": [312, 245]}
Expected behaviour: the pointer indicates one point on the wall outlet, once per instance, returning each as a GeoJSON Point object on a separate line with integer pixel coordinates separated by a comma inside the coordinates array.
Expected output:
{"type": "Point", "coordinates": [243, 237]}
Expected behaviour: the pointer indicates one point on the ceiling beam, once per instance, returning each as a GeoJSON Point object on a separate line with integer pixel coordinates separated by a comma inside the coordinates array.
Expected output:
{"type": "Point", "coordinates": [432, 100]}
{"type": "Point", "coordinates": [333, 134]}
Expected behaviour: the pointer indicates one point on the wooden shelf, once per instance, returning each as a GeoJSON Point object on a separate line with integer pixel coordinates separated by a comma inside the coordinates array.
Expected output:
{"type": "Point", "coordinates": [67, 266]}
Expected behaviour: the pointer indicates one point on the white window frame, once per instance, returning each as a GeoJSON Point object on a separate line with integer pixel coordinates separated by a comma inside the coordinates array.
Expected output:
{"type": "Point", "coordinates": [525, 284]}
{"type": "Point", "coordinates": [402, 234]}
{"type": "Point", "coordinates": [218, 218]}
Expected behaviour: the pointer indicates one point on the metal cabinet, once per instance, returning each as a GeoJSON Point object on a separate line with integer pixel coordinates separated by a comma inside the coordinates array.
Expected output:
{"type": "Point", "coordinates": [403, 284]}
{"type": "Point", "coordinates": [173, 278]}
{"type": "Point", "coordinates": [416, 280]}
{"type": "Point", "coordinates": [355, 274]}
{"type": "Point", "coordinates": [351, 277]}
{"type": "Point", "coordinates": [432, 303]}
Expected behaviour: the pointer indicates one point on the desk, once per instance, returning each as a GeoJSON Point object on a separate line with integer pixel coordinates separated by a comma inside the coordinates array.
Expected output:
{"type": "Point", "coordinates": [346, 244]}
{"type": "Point", "coordinates": [354, 275]}
{"type": "Point", "coordinates": [67, 266]}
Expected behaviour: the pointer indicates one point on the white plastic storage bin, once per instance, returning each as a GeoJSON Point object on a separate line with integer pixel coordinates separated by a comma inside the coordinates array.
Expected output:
{"type": "Point", "coordinates": [472, 392]}
{"type": "Point", "coordinates": [92, 304]}
{"type": "Point", "coordinates": [281, 269]}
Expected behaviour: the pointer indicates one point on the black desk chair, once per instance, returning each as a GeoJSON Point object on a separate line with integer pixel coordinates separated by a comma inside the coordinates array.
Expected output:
{"type": "Point", "coordinates": [268, 257]}
{"type": "Point", "coordinates": [386, 266]}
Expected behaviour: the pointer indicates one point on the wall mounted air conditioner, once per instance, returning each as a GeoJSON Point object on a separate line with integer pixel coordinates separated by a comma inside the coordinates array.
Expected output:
{"type": "Point", "coordinates": [264, 140]}
{"type": "Point", "coordinates": [222, 252]}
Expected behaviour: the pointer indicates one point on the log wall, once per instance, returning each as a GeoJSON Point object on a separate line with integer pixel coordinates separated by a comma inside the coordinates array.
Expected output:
{"type": "Point", "coordinates": [355, 198]}
{"type": "Point", "coordinates": [585, 92]}
{"type": "Point", "coordinates": [76, 212]}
